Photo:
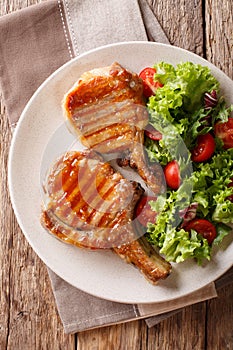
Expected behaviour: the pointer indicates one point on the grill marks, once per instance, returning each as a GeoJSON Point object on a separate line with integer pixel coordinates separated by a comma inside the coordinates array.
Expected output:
{"type": "Point", "coordinates": [91, 206]}
{"type": "Point", "coordinates": [108, 113]}
{"type": "Point", "coordinates": [112, 126]}
{"type": "Point", "coordinates": [106, 108]}
{"type": "Point", "coordinates": [85, 193]}
{"type": "Point", "coordinates": [98, 84]}
{"type": "Point", "coordinates": [88, 204]}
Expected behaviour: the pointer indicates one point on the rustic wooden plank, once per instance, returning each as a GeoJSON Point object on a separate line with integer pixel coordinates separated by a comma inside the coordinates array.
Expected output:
{"type": "Point", "coordinates": [183, 331]}
{"type": "Point", "coordinates": [5, 243]}
{"type": "Point", "coordinates": [219, 330]}
{"type": "Point", "coordinates": [28, 314]}
{"type": "Point", "coordinates": [125, 336]}
{"type": "Point", "coordinates": [219, 50]}
{"type": "Point", "coordinates": [219, 34]}
{"type": "Point", "coordinates": [182, 21]}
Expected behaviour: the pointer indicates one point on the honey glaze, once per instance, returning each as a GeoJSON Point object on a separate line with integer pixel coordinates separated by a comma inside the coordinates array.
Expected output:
{"type": "Point", "coordinates": [87, 195]}
{"type": "Point", "coordinates": [96, 85]}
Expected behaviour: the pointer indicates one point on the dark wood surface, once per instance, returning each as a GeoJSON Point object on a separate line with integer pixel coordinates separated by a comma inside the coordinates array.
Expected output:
{"type": "Point", "coordinates": [28, 314]}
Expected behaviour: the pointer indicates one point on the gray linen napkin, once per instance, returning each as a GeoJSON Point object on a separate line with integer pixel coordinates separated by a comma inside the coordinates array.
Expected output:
{"type": "Point", "coordinates": [33, 43]}
{"type": "Point", "coordinates": [107, 22]}
{"type": "Point", "coordinates": [80, 311]}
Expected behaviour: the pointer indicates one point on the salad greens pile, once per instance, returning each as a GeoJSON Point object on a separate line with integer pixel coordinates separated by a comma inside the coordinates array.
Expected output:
{"type": "Point", "coordinates": [178, 111]}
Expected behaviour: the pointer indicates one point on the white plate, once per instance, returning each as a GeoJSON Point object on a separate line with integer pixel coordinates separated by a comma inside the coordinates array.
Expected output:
{"type": "Point", "coordinates": [41, 136]}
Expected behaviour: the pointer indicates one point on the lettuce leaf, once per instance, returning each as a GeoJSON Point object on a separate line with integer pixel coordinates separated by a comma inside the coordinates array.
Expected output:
{"type": "Point", "coordinates": [184, 86]}
{"type": "Point", "coordinates": [174, 242]}
{"type": "Point", "coordinates": [178, 112]}
{"type": "Point", "coordinates": [177, 107]}
{"type": "Point", "coordinates": [207, 186]}
{"type": "Point", "coordinates": [222, 231]}
{"type": "Point", "coordinates": [211, 181]}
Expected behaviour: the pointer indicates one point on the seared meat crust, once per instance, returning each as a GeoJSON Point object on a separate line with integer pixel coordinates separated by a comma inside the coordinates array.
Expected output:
{"type": "Point", "coordinates": [107, 110]}
{"type": "Point", "coordinates": [84, 193]}
{"type": "Point", "coordinates": [90, 205]}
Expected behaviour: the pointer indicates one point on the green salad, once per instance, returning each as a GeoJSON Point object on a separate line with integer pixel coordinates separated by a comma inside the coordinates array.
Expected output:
{"type": "Point", "coordinates": [191, 136]}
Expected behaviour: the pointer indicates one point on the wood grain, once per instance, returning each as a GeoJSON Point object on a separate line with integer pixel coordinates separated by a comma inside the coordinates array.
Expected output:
{"type": "Point", "coordinates": [182, 21]}
{"type": "Point", "coordinates": [28, 314]}
{"type": "Point", "coordinates": [120, 337]}
{"type": "Point", "coordinates": [219, 50]}
{"type": "Point", "coordinates": [219, 34]}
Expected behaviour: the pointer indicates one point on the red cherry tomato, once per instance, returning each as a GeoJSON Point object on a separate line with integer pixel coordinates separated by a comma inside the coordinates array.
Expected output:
{"type": "Point", "coordinates": [224, 131]}
{"type": "Point", "coordinates": [144, 213]}
{"type": "Point", "coordinates": [204, 148]}
{"type": "Point", "coordinates": [149, 85]}
{"type": "Point", "coordinates": [152, 133]}
{"type": "Point", "coordinates": [203, 227]}
{"type": "Point", "coordinates": [172, 175]}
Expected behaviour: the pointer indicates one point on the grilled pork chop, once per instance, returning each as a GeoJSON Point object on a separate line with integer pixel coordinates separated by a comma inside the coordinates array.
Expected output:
{"type": "Point", "coordinates": [90, 205]}
{"type": "Point", "coordinates": [107, 110]}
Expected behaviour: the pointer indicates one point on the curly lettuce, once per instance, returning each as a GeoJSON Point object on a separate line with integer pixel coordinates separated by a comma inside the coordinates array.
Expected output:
{"type": "Point", "coordinates": [173, 241]}
{"type": "Point", "coordinates": [184, 85]}
{"type": "Point", "coordinates": [178, 112]}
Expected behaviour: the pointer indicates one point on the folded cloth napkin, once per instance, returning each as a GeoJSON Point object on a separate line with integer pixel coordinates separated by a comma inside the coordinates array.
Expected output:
{"type": "Point", "coordinates": [34, 42]}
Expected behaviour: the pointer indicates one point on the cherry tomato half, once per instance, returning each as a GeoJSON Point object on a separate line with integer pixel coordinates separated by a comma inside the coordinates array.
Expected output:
{"type": "Point", "coordinates": [172, 174]}
{"type": "Point", "coordinates": [144, 213]}
{"type": "Point", "coordinates": [224, 131]}
{"type": "Point", "coordinates": [203, 227]}
{"type": "Point", "coordinates": [204, 148]}
{"type": "Point", "coordinates": [152, 133]}
{"type": "Point", "coordinates": [149, 84]}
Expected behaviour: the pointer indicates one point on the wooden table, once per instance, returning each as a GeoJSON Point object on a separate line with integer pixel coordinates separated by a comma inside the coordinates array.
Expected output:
{"type": "Point", "coordinates": [28, 314]}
